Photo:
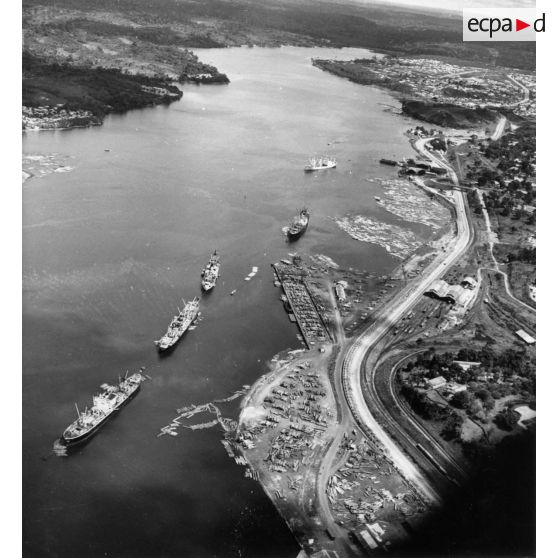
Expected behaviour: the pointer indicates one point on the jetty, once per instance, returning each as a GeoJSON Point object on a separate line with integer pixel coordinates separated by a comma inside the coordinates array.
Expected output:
{"type": "Point", "coordinates": [301, 305]}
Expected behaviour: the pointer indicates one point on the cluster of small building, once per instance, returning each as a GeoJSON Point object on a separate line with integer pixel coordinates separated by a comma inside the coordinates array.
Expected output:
{"type": "Point", "coordinates": [464, 86]}
{"type": "Point", "coordinates": [527, 108]}
{"type": "Point", "coordinates": [439, 383]}
{"type": "Point", "coordinates": [47, 117]}
{"type": "Point", "coordinates": [161, 91]}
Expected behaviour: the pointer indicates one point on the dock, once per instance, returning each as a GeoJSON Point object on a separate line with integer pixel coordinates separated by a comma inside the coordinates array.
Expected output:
{"type": "Point", "coordinates": [309, 320]}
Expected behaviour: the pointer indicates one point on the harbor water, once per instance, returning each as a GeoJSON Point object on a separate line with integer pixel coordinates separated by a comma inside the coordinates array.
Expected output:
{"type": "Point", "coordinates": [112, 246]}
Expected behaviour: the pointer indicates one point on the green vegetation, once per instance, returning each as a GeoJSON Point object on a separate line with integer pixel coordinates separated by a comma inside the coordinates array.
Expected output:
{"type": "Point", "coordinates": [423, 406]}
{"type": "Point", "coordinates": [485, 391]}
{"type": "Point", "coordinates": [448, 115]}
{"type": "Point", "coordinates": [358, 71]}
{"type": "Point", "coordinates": [505, 171]}
{"type": "Point", "coordinates": [159, 35]}
{"type": "Point", "coordinates": [396, 29]}
{"type": "Point", "coordinates": [152, 39]}
{"type": "Point", "coordinates": [94, 89]}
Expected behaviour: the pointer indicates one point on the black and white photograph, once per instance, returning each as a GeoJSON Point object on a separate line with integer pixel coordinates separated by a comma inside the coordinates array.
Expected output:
{"type": "Point", "coordinates": [278, 278]}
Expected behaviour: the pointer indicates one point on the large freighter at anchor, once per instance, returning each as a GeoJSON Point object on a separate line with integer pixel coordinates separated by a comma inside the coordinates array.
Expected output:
{"type": "Point", "coordinates": [299, 225]}
{"type": "Point", "coordinates": [179, 324]}
{"type": "Point", "coordinates": [210, 272]}
{"type": "Point", "coordinates": [106, 403]}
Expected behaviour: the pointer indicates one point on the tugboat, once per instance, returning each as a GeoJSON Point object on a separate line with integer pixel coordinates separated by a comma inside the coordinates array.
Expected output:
{"type": "Point", "coordinates": [320, 163]}
{"type": "Point", "coordinates": [179, 324]}
{"type": "Point", "coordinates": [106, 403]}
{"type": "Point", "coordinates": [210, 272]}
{"type": "Point", "coordinates": [299, 225]}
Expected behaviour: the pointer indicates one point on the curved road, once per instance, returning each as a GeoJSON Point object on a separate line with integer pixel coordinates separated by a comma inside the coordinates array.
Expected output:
{"type": "Point", "coordinates": [352, 367]}
{"type": "Point", "coordinates": [349, 369]}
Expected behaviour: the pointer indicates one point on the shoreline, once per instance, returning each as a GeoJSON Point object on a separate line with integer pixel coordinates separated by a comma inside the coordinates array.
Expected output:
{"type": "Point", "coordinates": [306, 524]}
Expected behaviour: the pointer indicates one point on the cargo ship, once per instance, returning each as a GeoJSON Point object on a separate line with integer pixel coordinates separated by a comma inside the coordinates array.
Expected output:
{"type": "Point", "coordinates": [210, 272]}
{"type": "Point", "coordinates": [105, 404]}
{"type": "Point", "coordinates": [389, 162]}
{"type": "Point", "coordinates": [299, 225]}
{"type": "Point", "coordinates": [320, 163]}
{"type": "Point", "coordinates": [179, 324]}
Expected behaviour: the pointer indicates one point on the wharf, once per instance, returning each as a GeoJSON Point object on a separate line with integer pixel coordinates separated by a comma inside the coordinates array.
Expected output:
{"type": "Point", "coordinates": [308, 318]}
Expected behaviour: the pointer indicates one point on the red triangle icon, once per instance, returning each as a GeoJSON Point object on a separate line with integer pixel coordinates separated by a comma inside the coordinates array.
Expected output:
{"type": "Point", "coordinates": [519, 25]}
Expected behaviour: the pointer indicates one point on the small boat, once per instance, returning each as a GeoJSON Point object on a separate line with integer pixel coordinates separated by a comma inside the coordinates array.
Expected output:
{"type": "Point", "coordinates": [320, 163]}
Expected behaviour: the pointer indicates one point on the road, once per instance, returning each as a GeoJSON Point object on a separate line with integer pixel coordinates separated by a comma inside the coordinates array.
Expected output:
{"type": "Point", "coordinates": [496, 268]}
{"type": "Point", "coordinates": [500, 127]}
{"type": "Point", "coordinates": [522, 87]}
{"type": "Point", "coordinates": [352, 367]}
{"type": "Point", "coordinates": [348, 373]}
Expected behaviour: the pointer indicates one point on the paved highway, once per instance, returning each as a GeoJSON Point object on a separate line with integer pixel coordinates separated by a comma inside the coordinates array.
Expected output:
{"type": "Point", "coordinates": [523, 88]}
{"type": "Point", "coordinates": [355, 356]}
{"type": "Point", "coordinates": [351, 359]}
{"type": "Point", "coordinates": [500, 127]}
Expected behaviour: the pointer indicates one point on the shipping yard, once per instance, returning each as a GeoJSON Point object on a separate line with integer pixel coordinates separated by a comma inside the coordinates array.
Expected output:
{"type": "Point", "coordinates": [340, 467]}
{"type": "Point", "coordinates": [285, 426]}
{"type": "Point", "coordinates": [294, 425]}
{"type": "Point", "coordinates": [299, 303]}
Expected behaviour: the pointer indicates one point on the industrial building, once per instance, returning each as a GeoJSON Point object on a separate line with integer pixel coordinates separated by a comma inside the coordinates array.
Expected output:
{"type": "Point", "coordinates": [523, 335]}
{"type": "Point", "coordinates": [454, 294]}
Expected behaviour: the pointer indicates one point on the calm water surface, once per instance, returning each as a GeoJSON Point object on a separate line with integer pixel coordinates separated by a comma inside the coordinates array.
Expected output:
{"type": "Point", "coordinates": [110, 249]}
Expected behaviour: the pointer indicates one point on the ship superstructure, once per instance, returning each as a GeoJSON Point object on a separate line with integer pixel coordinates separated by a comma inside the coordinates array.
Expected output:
{"type": "Point", "coordinates": [210, 272]}
{"type": "Point", "coordinates": [105, 403]}
{"type": "Point", "coordinates": [180, 323]}
{"type": "Point", "coordinates": [320, 163]}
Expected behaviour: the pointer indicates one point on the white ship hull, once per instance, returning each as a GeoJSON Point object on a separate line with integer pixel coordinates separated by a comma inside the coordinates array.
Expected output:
{"type": "Point", "coordinates": [321, 165]}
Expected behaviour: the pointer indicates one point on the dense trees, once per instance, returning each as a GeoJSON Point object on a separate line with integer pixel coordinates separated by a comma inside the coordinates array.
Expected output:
{"type": "Point", "coordinates": [423, 406]}
{"type": "Point", "coordinates": [506, 419]}
{"type": "Point", "coordinates": [499, 373]}
{"type": "Point", "coordinates": [98, 90]}
{"type": "Point", "coordinates": [525, 255]}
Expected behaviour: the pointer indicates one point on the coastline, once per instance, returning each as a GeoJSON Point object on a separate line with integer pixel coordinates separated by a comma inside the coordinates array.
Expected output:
{"type": "Point", "coordinates": [306, 521]}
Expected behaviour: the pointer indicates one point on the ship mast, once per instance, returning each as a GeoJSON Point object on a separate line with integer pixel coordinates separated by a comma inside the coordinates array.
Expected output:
{"type": "Point", "coordinates": [78, 414]}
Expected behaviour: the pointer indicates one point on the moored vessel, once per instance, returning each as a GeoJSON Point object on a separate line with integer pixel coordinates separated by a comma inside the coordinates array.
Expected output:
{"type": "Point", "coordinates": [320, 163]}
{"type": "Point", "coordinates": [180, 323]}
{"type": "Point", "coordinates": [210, 272]}
{"type": "Point", "coordinates": [299, 225]}
{"type": "Point", "coordinates": [105, 404]}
